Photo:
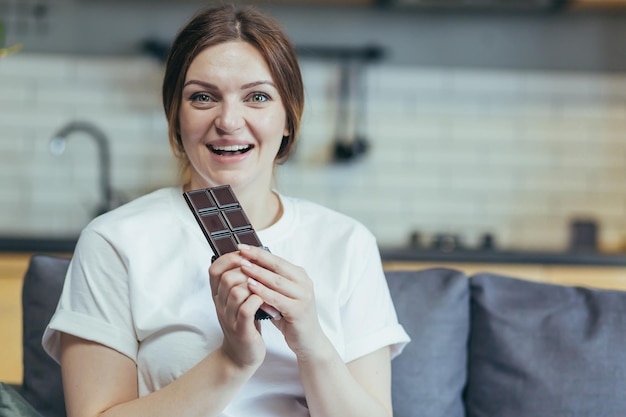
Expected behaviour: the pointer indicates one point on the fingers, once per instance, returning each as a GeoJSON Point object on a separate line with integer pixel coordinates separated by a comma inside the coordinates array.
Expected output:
{"type": "Point", "coordinates": [267, 260]}
{"type": "Point", "coordinates": [229, 288]}
{"type": "Point", "coordinates": [238, 275]}
{"type": "Point", "coordinates": [221, 265]}
{"type": "Point", "coordinates": [279, 283]}
{"type": "Point", "coordinates": [282, 284]}
{"type": "Point", "coordinates": [237, 302]}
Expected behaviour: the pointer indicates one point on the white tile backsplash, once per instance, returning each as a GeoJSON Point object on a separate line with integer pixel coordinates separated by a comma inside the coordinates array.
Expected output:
{"type": "Point", "coordinates": [513, 153]}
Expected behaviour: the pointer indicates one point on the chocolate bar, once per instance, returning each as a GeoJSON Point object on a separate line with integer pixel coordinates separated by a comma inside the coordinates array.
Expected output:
{"type": "Point", "coordinates": [223, 222]}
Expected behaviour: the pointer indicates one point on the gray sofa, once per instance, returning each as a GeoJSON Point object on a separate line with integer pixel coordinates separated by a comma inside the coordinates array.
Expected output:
{"type": "Point", "coordinates": [495, 346]}
{"type": "Point", "coordinates": [482, 346]}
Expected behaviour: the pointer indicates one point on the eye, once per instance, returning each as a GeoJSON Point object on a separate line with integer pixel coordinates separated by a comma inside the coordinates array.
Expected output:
{"type": "Point", "coordinates": [259, 97]}
{"type": "Point", "coordinates": [201, 98]}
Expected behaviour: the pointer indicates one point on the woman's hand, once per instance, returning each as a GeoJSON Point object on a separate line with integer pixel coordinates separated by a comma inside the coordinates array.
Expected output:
{"type": "Point", "coordinates": [236, 305]}
{"type": "Point", "coordinates": [289, 290]}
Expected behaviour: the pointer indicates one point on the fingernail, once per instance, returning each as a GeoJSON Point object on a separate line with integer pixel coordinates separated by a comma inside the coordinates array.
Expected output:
{"type": "Point", "coordinates": [243, 246]}
{"type": "Point", "coordinates": [252, 282]}
{"type": "Point", "coordinates": [245, 262]}
{"type": "Point", "coordinates": [274, 314]}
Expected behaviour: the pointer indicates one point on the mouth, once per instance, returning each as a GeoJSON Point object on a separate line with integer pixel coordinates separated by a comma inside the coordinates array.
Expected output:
{"type": "Point", "coordinates": [230, 149]}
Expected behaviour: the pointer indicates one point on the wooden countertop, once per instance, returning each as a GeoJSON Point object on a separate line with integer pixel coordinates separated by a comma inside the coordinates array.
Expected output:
{"type": "Point", "coordinates": [12, 269]}
{"type": "Point", "coordinates": [605, 277]}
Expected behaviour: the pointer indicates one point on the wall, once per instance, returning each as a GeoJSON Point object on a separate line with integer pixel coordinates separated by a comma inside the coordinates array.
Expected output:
{"type": "Point", "coordinates": [516, 153]}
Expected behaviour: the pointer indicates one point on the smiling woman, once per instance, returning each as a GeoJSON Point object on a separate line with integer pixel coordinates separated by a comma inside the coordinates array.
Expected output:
{"type": "Point", "coordinates": [142, 329]}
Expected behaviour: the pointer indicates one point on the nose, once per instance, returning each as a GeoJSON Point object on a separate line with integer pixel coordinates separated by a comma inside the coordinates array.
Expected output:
{"type": "Point", "coordinates": [230, 118]}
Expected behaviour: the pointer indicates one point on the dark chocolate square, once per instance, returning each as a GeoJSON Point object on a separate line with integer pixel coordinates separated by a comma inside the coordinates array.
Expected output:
{"type": "Point", "coordinates": [214, 223]}
{"type": "Point", "coordinates": [224, 196]}
{"type": "Point", "coordinates": [224, 244]}
{"type": "Point", "coordinates": [248, 237]}
{"type": "Point", "coordinates": [237, 219]}
{"type": "Point", "coordinates": [201, 201]}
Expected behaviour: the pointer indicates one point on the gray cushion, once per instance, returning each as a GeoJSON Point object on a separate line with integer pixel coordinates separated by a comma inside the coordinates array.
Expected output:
{"type": "Point", "coordinates": [429, 375]}
{"type": "Point", "coordinates": [538, 349]}
{"type": "Point", "coordinates": [43, 283]}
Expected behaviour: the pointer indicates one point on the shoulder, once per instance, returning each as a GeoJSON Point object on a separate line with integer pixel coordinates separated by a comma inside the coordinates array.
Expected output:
{"type": "Point", "coordinates": [141, 216]}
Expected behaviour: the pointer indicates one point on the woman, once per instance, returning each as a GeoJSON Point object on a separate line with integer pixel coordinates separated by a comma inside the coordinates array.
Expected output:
{"type": "Point", "coordinates": [141, 328]}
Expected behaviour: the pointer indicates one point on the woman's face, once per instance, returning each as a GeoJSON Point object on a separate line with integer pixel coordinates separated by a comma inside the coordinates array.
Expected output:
{"type": "Point", "coordinates": [232, 119]}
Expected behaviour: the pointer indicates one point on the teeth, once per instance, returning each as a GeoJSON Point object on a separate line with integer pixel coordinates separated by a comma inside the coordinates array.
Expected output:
{"type": "Point", "coordinates": [231, 148]}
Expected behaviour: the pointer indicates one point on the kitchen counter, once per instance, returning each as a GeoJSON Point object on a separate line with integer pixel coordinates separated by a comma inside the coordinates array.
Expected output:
{"type": "Point", "coordinates": [37, 244]}
{"type": "Point", "coordinates": [503, 257]}
{"type": "Point", "coordinates": [389, 254]}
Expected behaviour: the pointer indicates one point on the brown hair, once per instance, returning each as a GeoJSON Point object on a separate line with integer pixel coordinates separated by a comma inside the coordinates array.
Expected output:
{"type": "Point", "coordinates": [212, 26]}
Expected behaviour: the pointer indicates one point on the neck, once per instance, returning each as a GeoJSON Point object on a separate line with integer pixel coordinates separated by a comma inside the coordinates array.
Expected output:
{"type": "Point", "coordinates": [262, 208]}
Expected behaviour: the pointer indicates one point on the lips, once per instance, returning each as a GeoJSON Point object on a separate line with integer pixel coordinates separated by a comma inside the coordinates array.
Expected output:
{"type": "Point", "coordinates": [230, 149]}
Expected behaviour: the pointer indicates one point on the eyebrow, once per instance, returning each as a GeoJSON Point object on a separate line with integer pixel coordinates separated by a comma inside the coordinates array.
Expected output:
{"type": "Point", "coordinates": [243, 87]}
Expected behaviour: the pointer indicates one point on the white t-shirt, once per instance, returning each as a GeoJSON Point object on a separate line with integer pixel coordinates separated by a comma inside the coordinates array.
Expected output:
{"type": "Point", "coordinates": [138, 283]}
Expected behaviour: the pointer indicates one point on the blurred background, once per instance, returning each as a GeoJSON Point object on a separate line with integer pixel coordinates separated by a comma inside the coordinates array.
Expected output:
{"type": "Point", "coordinates": [439, 123]}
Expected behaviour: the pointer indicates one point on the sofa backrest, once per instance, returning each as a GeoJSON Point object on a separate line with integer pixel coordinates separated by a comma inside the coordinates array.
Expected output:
{"type": "Point", "coordinates": [429, 376]}
{"type": "Point", "coordinates": [539, 349]}
{"type": "Point", "coordinates": [483, 346]}
{"type": "Point", "coordinates": [43, 282]}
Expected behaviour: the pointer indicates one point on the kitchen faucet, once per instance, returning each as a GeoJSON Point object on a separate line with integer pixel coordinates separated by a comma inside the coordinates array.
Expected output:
{"type": "Point", "coordinates": [57, 147]}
